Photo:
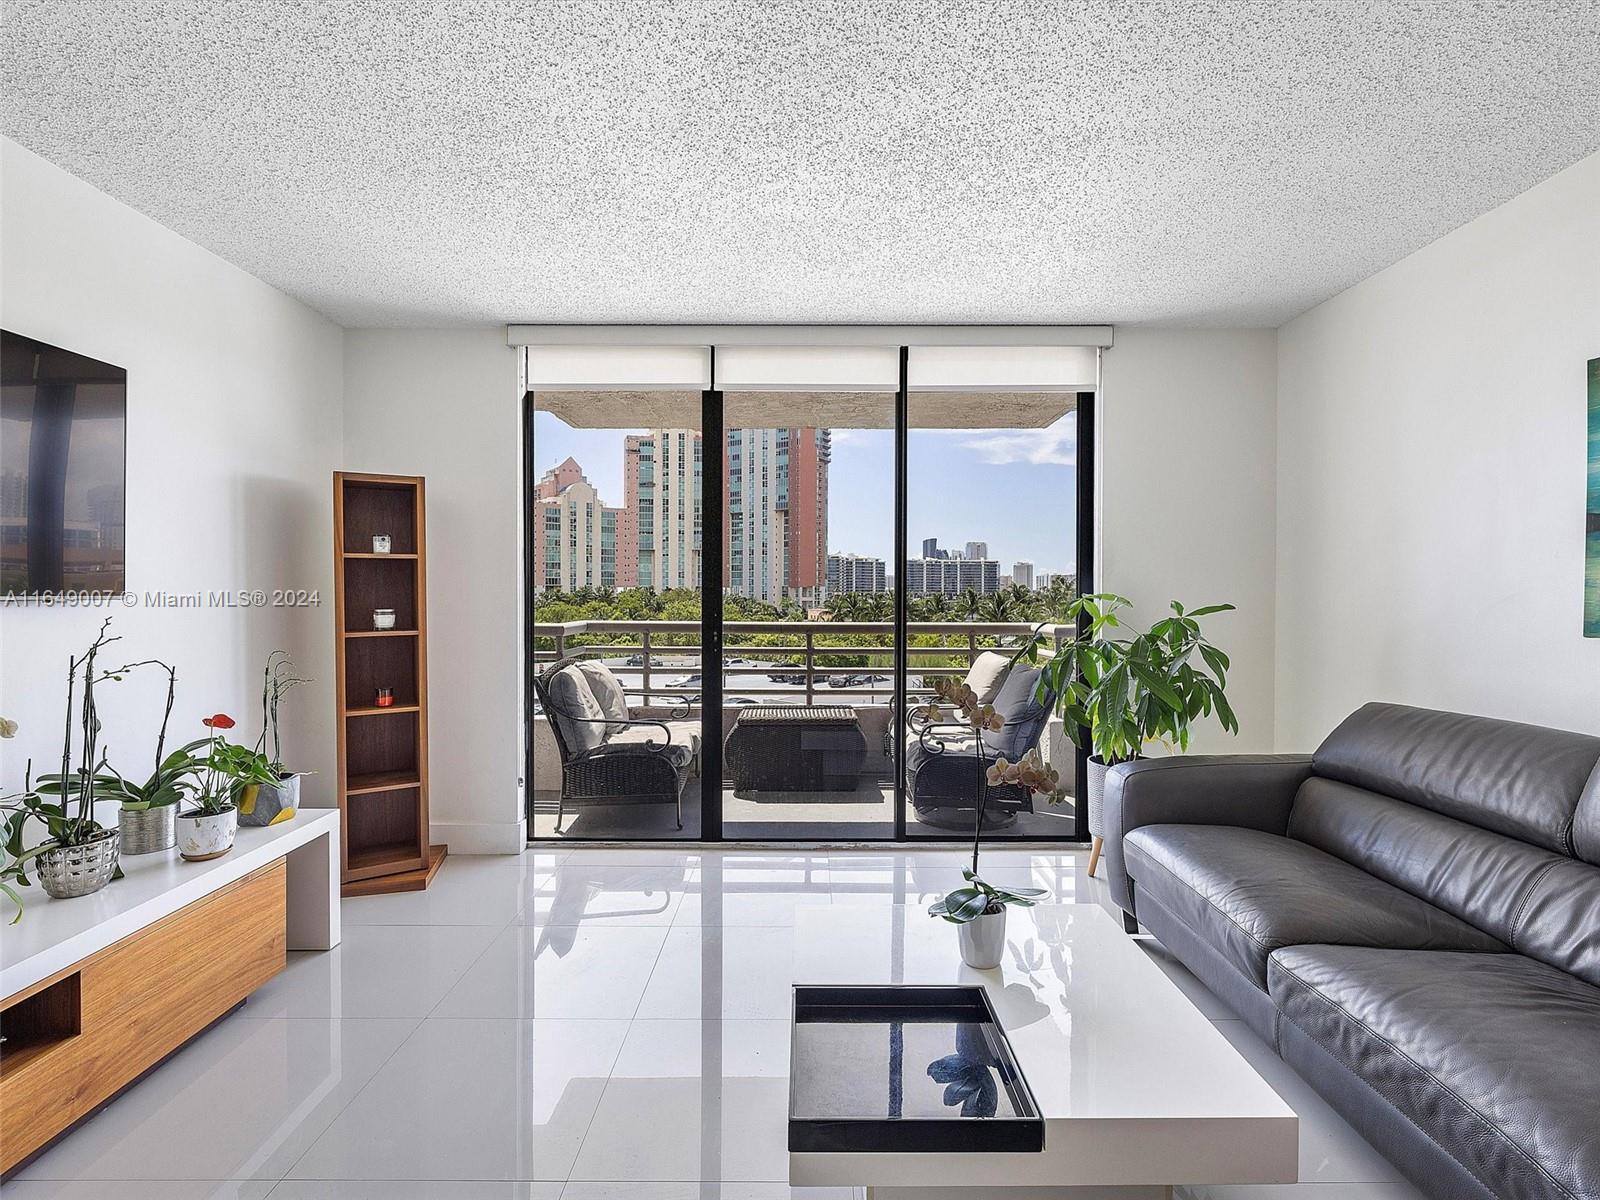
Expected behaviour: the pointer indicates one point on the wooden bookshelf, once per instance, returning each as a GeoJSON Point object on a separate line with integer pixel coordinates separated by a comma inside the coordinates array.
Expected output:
{"type": "Point", "coordinates": [383, 751]}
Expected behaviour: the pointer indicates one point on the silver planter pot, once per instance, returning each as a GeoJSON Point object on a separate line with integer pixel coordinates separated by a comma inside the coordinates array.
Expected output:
{"type": "Point", "coordinates": [983, 940]}
{"type": "Point", "coordinates": [79, 870]}
{"type": "Point", "coordinates": [148, 830]}
{"type": "Point", "coordinates": [1097, 796]}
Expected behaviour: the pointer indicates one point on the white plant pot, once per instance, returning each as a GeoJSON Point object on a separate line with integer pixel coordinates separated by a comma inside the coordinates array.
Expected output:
{"type": "Point", "coordinates": [202, 836]}
{"type": "Point", "coordinates": [983, 940]}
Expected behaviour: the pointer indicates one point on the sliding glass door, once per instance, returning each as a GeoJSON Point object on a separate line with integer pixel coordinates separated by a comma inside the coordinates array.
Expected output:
{"type": "Point", "coordinates": [760, 560]}
{"type": "Point", "coordinates": [615, 545]}
{"type": "Point", "coordinates": [809, 659]}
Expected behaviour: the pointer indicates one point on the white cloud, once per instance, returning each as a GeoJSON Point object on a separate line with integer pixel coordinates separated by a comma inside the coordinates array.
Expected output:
{"type": "Point", "coordinates": [1056, 445]}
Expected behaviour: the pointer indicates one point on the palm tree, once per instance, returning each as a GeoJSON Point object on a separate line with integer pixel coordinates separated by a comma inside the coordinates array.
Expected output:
{"type": "Point", "coordinates": [999, 607]}
{"type": "Point", "coordinates": [969, 604]}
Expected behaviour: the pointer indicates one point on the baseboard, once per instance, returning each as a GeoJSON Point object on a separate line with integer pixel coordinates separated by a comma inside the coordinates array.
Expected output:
{"type": "Point", "coordinates": [480, 837]}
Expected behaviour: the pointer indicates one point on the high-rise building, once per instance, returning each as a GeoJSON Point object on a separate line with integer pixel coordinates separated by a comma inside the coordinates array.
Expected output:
{"type": "Point", "coordinates": [930, 549]}
{"type": "Point", "coordinates": [574, 532]}
{"type": "Point", "coordinates": [661, 473]}
{"type": "Point", "coordinates": [951, 576]}
{"type": "Point", "coordinates": [856, 573]}
{"type": "Point", "coordinates": [1022, 573]}
{"type": "Point", "coordinates": [976, 551]}
{"type": "Point", "coordinates": [775, 537]}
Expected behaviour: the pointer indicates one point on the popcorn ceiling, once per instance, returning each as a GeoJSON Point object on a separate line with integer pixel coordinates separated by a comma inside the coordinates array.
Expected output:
{"type": "Point", "coordinates": [1215, 162]}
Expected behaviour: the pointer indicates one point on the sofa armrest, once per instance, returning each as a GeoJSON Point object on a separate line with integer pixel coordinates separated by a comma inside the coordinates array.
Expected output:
{"type": "Point", "coordinates": [1253, 791]}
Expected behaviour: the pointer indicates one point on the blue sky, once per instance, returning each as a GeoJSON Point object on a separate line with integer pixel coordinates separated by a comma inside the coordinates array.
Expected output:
{"type": "Point", "coordinates": [1015, 489]}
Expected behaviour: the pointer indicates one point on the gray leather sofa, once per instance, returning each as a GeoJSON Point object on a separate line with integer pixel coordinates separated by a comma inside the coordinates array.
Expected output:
{"type": "Point", "coordinates": [1411, 916]}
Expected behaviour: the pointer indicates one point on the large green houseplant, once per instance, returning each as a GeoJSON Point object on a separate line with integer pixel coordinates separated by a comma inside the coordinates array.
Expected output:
{"type": "Point", "coordinates": [1130, 689]}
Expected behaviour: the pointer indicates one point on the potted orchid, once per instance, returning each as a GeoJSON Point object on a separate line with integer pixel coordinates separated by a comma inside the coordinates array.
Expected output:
{"type": "Point", "coordinates": [277, 799]}
{"type": "Point", "coordinates": [978, 909]}
{"type": "Point", "coordinates": [78, 855]}
{"type": "Point", "coordinates": [227, 771]}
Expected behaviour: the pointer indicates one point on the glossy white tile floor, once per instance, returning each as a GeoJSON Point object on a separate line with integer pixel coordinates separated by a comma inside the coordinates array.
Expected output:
{"type": "Point", "coordinates": [572, 1024]}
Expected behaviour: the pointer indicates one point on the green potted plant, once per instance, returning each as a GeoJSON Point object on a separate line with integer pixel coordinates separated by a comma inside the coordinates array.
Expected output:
{"type": "Point", "coordinates": [978, 909]}
{"type": "Point", "coordinates": [277, 800]}
{"type": "Point", "coordinates": [1130, 691]}
{"type": "Point", "coordinates": [208, 828]}
{"type": "Point", "coordinates": [147, 814]}
{"type": "Point", "coordinates": [78, 855]}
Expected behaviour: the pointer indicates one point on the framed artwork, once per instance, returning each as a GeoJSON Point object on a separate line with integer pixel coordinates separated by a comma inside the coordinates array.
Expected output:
{"type": "Point", "coordinates": [1591, 574]}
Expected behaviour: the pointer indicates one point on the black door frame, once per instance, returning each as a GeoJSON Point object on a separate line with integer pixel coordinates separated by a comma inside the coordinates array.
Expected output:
{"type": "Point", "coordinates": [712, 440]}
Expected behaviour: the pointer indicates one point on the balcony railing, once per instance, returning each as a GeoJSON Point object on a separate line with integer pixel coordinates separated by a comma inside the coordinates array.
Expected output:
{"type": "Point", "coordinates": [654, 657]}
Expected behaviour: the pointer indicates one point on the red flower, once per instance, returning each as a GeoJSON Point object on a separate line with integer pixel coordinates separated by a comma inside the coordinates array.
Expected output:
{"type": "Point", "coordinates": [219, 721]}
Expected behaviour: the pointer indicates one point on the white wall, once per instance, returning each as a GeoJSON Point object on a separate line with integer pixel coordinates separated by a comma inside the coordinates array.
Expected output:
{"type": "Point", "coordinates": [444, 405]}
{"type": "Point", "coordinates": [1431, 467]}
{"type": "Point", "coordinates": [233, 432]}
{"type": "Point", "coordinates": [1187, 434]}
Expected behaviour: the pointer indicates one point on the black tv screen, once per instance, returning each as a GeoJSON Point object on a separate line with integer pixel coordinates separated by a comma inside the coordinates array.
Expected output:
{"type": "Point", "coordinates": [63, 429]}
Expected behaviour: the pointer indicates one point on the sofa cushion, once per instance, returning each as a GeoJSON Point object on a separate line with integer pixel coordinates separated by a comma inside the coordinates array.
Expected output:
{"type": "Point", "coordinates": [607, 689]}
{"type": "Point", "coordinates": [1541, 903]}
{"type": "Point", "coordinates": [1024, 716]}
{"type": "Point", "coordinates": [987, 673]}
{"type": "Point", "coordinates": [1493, 1055]}
{"type": "Point", "coordinates": [1249, 893]}
{"type": "Point", "coordinates": [1520, 780]}
{"type": "Point", "coordinates": [576, 711]}
{"type": "Point", "coordinates": [1586, 822]}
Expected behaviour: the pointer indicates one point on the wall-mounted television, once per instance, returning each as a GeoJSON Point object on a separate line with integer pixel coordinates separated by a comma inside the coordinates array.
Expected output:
{"type": "Point", "coordinates": [63, 476]}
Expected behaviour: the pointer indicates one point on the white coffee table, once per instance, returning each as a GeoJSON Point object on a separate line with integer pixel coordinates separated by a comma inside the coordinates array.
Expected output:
{"type": "Point", "coordinates": [1138, 1090]}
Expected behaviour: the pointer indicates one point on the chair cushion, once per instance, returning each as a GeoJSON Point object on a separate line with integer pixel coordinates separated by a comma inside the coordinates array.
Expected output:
{"type": "Point", "coordinates": [633, 742]}
{"type": "Point", "coordinates": [685, 734]}
{"type": "Point", "coordinates": [1494, 1055]}
{"type": "Point", "coordinates": [1247, 893]}
{"type": "Point", "coordinates": [987, 673]}
{"type": "Point", "coordinates": [576, 711]}
{"type": "Point", "coordinates": [607, 689]}
{"type": "Point", "coordinates": [1023, 714]}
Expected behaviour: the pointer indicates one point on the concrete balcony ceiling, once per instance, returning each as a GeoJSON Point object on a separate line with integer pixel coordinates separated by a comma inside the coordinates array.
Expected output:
{"type": "Point", "coordinates": [823, 410]}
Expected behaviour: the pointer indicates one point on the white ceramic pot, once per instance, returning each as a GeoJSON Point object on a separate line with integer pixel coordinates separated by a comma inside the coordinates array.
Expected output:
{"type": "Point", "coordinates": [202, 836]}
{"type": "Point", "coordinates": [383, 618]}
{"type": "Point", "coordinates": [983, 940]}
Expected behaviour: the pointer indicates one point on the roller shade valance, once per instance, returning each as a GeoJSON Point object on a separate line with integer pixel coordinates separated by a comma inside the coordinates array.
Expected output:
{"type": "Point", "coordinates": [995, 359]}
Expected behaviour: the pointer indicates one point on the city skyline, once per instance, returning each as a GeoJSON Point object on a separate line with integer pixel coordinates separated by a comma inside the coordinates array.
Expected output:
{"type": "Point", "coordinates": [1012, 490]}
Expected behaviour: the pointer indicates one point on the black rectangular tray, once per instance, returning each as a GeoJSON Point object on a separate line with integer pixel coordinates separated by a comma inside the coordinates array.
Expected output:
{"type": "Point", "coordinates": [889, 1069]}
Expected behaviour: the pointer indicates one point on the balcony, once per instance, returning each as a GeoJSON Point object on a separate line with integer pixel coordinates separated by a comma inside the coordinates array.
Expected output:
{"type": "Point", "coordinates": [801, 663]}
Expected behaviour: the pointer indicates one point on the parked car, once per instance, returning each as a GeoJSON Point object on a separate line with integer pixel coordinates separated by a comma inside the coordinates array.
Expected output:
{"type": "Point", "coordinates": [686, 681]}
{"type": "Point", "coordinates": [635, 660]}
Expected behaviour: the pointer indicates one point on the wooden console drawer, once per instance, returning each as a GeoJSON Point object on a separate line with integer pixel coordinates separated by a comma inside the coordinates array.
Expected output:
{"type": "Point", "coordinates": [139, 1000]}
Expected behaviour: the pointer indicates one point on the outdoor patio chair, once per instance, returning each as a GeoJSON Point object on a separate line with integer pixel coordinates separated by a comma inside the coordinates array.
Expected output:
{"type": "Point", "coordinates": [609, 756]}
{"type": "Point", "coordinates": [943, 759]}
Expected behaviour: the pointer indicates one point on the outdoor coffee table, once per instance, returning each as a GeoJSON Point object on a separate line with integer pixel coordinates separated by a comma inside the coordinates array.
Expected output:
{"type": "Point", "coordinates": [1139, 1092]}
{"type": "Point", "coordinates": [790, 748]}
